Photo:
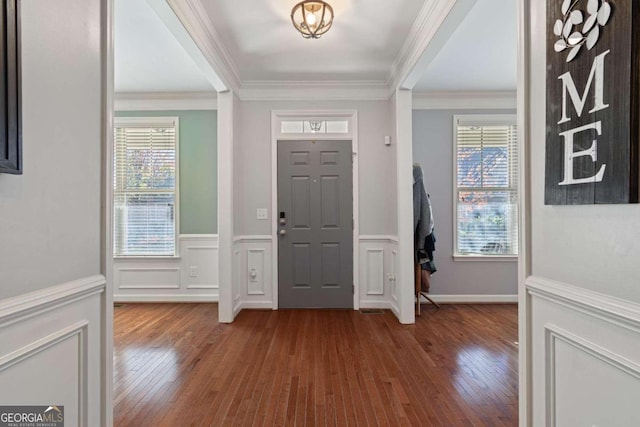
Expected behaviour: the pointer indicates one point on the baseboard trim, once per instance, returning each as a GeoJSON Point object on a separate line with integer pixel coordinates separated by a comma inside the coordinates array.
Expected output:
{"type": "Point", "coordinates": [38, 302]}
{"type": "Point", "coordinates": [256, 305]}
{"type": "Point", "coordinates": [165, 298]}
{"type": "Point", "coordinates": [237, 309]}
{"type": "Point", "coordinates": [395, 310]}
{"type": "Point", "coordinates": [383, 305]}
{"type": "Point", "coordinates": [473, 299]}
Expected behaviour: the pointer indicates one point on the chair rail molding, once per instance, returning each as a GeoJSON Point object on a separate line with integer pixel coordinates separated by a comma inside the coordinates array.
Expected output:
{"type": "Point", "coordinates": [613, 310]}
{"type": "Point", "coordinates": [38, 302]}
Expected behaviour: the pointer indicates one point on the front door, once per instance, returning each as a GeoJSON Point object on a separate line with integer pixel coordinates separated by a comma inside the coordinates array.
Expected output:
{"type": "Point", "coordinates": [315, 224]}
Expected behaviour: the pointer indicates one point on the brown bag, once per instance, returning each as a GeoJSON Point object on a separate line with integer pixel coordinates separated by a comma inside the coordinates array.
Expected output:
{"type": "Point", "coordinates": [425, 281]}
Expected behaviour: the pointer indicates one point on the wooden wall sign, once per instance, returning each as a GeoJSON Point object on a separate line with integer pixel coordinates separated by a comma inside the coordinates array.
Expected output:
{"type": "Point", "coordinates": [592, 101]}
{"type": "Point", "coordinates": [10, 122]}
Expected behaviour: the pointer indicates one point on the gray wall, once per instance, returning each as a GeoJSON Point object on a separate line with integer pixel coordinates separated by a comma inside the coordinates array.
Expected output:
{"type": "Point", "coordinates": [252, 164]}
{"type": "Point", "coordinates": [50, 216]}
{"type": "Point", "coordinates": [433, 149]}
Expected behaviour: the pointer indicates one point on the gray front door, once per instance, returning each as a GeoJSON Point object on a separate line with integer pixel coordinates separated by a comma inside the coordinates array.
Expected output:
{"type": "Point", "coordinates": [315, 224]}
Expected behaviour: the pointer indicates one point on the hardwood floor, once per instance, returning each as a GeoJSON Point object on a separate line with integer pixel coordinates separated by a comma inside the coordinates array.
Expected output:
{"type": "Point", "coordinates": [176, 366]}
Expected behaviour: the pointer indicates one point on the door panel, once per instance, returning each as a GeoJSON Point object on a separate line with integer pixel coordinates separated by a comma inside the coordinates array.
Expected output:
{"type": "Point", "coordinates": [330, 201]}
{"type": "Point", "coordinates": [315, 248]}
{"type": "Point", "coordinates": [300, 202]}
{"type": "Point", "coordinates": [330, 258]}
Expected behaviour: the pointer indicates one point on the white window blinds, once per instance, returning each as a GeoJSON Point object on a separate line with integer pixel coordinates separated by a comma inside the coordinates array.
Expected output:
{"type": "Point", "coordinates": [486, 190]}
{"type": "Point", "coordinates": [145, 170]}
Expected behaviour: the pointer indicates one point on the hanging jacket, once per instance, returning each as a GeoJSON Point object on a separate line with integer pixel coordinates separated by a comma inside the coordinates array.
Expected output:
{"type": "Point", "coordinates": [422, 216]}
{"type": "Point", "coordinates": [422, 222]}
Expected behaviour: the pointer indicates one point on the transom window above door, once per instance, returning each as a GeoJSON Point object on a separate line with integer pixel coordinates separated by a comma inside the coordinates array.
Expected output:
{"type": "Point", "coordinates": [314, 126]}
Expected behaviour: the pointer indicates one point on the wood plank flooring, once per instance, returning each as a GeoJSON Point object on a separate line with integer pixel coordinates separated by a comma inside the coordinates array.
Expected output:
{"type": "Point", "coordinates": [176, 366]}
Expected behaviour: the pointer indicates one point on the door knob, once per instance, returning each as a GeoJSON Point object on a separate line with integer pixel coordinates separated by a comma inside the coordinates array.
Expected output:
{"type": "Point", "coordinates": [283, 232]}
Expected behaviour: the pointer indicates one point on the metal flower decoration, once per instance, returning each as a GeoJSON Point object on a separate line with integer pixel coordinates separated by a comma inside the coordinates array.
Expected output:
{"type": "Point", "coordinates": [571, 35]}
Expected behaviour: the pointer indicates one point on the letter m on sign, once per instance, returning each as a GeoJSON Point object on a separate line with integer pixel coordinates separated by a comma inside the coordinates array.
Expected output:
{"type": "Point", "coordinates": [569, 90]}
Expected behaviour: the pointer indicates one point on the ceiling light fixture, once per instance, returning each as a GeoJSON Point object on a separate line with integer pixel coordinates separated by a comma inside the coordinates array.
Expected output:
{"type": "Point", "coordinates": [312, 18]}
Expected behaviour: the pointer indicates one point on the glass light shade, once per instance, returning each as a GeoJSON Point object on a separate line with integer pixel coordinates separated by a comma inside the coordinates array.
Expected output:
{"type": "Point", "coordinates": [312, 18]}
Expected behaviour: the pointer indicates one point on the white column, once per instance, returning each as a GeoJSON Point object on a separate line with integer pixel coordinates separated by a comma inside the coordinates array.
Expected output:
{"type": "Point", "coordinates": [404, 139]}
{"type": "Point", "coordinates": [106, 265]}
{"type": "Point", "coordinates": [225, 205]}
{"type": "Point", "coordinates": [524, 262]}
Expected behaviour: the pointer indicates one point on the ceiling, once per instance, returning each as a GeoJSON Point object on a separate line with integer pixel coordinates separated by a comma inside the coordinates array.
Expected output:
{"type": "Point", "coordinates": [481, 54]}
{"type": "Point", "coordinates": [363, 45]}
{"type": "Point", "coordinates": [148, 58]}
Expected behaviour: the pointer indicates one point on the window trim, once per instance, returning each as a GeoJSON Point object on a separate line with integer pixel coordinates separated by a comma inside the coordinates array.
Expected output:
{"type": "Point", "coordinates": [141, 121]}
{"type": "Point", "coordinates": [479, 120]}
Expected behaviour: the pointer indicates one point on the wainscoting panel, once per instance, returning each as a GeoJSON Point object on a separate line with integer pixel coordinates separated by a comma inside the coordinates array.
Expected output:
{"type": "Point", "coordinates": [201, 267]}
{"type": "Point", "coordinates": [392, 275]}
{"type": "Point", "coordinates": [255, 269]}
{"type": "Point", "coordinates": [585, 356]}
{"type": "Point", "coordinates": [377, 271]}
{"type": "Point", "coordinates": [190, 277]}
{"type": "Point", "coordinates": [253, 272]}
{"type": "Point", "coordinates": [148, 277]}
{"type": "Point", "coordinates": [51, 349]}
{"type": "Point", "coordinates": [374, 279]}
{"type": "Point", "coordinates": [253, 276]}
{"type": "Point", "coordinates": [237, 265]}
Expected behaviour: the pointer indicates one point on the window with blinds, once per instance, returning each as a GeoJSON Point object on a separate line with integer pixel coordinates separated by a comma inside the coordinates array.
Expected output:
{"type": "Point", "coordinates": [486, 189]}
{"type": "Point", "coordinates": [145, 196]}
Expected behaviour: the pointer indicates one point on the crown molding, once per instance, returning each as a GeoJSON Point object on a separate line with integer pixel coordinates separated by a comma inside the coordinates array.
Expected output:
{"type": "Point", "coordinates": [163, 101]}
{"type": "Point", "coordinates": [454, 100]}
{"type": "Point", "coordinates": [434, 25]}
{"type": "Point", "coordinates": [424, 27]}
{"type": "Point", "coordinates": [197, 23]}
{"type": "Point", "coordinates": [314, 90]}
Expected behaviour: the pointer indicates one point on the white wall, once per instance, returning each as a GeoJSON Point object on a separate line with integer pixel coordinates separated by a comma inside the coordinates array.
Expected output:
{"type": "Point", "coordinates": [50, 216]}
{"type": "Point", "coordinates": [433, 149]}
{"type": "Point", "coordinates": [52, 298]}
{"type": "Point", "coordinates": [583, 289]}
{"type": "Point", "coordinates": [253, 186]}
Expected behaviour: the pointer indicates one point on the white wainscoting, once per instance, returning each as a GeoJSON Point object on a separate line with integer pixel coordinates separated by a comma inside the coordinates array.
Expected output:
{"type": "Point", "coordinates": [377, 267]}
{"type": "Point", "coordinates": [585, 352]}
{"type": "Point", "coordinates": [51, 349]}
{"type": "Point", "coordinates": [253, 287]}
{"type": "Point", "coordinates": [190, 277]}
